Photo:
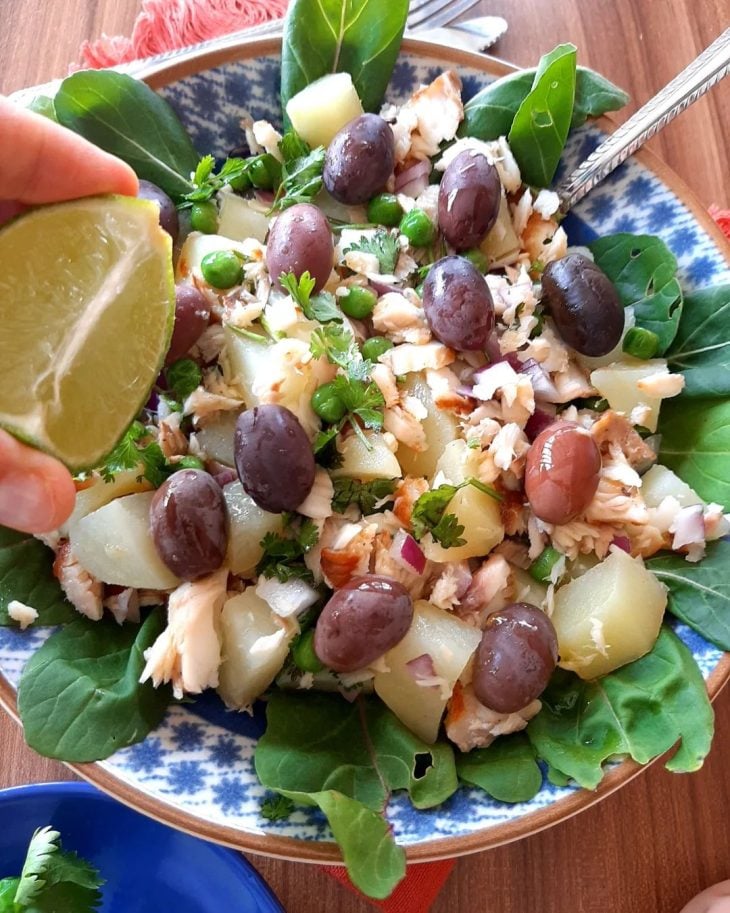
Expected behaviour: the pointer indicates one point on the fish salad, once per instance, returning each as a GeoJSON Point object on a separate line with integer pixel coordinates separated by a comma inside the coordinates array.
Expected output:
{"type": "Point", "coordinates": [404, 450]}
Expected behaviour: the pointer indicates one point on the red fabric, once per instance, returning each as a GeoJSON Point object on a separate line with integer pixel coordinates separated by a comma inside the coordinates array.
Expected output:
{"type": "Point", "coordinates": [164, 25]}
{"type": "Point", "coordinates": [414, 894]}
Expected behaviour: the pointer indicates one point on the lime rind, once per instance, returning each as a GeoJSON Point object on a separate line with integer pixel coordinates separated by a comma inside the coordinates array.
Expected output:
{"type": "Point", "coordinates": [87, 304]}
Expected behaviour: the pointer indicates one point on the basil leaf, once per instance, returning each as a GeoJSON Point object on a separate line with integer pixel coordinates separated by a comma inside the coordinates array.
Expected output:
{"type": "Point", "coordinates": [125, 117]}
{"type": "Point", "coordinates": [26, 575]}
{"type": "Point", "coordinates": [696, 445]}
{"type": "Point", "coordinates": [640, 710]}
{"type": "Point", "coordinates": [321, 741]}
{"type": "Point", "coordinates": [95, 667]}
{"type": "Point", "coordinates": [540, 126]}
{"type": "Point", "coordinates": [506, 770]}
{"type": "Point", "coordinates": [335, 36]}
{"type": "Point", "coordinates": [489, 114]}
{"type": "Point", "coordinates": [699, 593]}
{"type": "Point", "coordinates": [701, 348]}
{"type": "Point", "coordinates": [643, 269]}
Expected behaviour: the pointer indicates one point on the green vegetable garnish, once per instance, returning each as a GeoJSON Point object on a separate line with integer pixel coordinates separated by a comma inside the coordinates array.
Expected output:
{"type": "Point", "coordinates": [365, 495]}
{"type": "Point", "coordinates": [276, 808]}
{"type": "Point", "coordinates": [374, 347]}
{"type": "Point", "coordinates": [52, 880]}
{"type": "Point", "coordinates": [302, 652]}
{"type": "Point", "coordinates": [321, 307]}
{"type": "Point", "coordinates": [204, 217]}
{"type": "Point", "coordinates": [301, 177]}
{"type": "Point", "coordinates": [264, 171]}
{"type": "Point", "coordinates": [130, 453]}
{"type": "Point", "coordinates": [480, 260]}
{"type": "Point", "coordinates": [429, 513]}
{"type": "Point", "coordinates": [190, 462]}
{"type": "Point", "coordinates": [183, 376]}
{"type": "Point", "coordinates": [222, 269]}
{"type": "Point", "coordinates": [542, 566]}
{"type": "Point", "coordinates": [385, 209]}
{"type": "Point", "coordinates": [383, 245]}
{"type": "Point", "coordinates": [418, 228]}
{"type": "Point", "coordinates": [208, 181]}
{"type": "Point", "coordinates": [358, 302]}
{"type": "Point", "coordinates": [641, 343]}
{"type": "Point", "coordinates": [283, 555]}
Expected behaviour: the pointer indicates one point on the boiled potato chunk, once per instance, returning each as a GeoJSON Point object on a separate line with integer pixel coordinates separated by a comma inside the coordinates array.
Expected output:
{"type": "Point", "coordinates": [247, 526]}
{"type": "Point", "coordinates": [618, 384]}
{"type": "Point", "coordinates": [323, 107]}
{"type": "Point", "coordinates": [458, 462]}
{"type": "Point", "coordinates": [527, 589]}
{"type": "Point", "coordinates": [216, 437]}
{"type": "Point", "coordinates": [609, 616]}
{"type": "Point", "coordinates": [100, 493]}
{"type": "Point", "coordinates": [440, 427]}
{"type": "Point", "coordinates": [480, 516]}
{"type": "Point", "coordinates": [501, 243]}
{"type": "Point", "coordinates": [239, 219]}
{"type": "Point", "coordinates": [360, 463]}
{"type": "Point", "coordinates": [243, 360]}
{"type": "Point", "coordinates": [115, 545]}
{"type": "Point", "coordinates": [659, 483]}
{"type": "Point", "coordinates": [451, 643]}
{"type": "Point", "coordinates": [254, 648]}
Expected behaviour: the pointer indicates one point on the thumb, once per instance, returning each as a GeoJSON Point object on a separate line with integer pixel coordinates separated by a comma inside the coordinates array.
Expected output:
{"type": "Point", "coordinates": [37, 492]}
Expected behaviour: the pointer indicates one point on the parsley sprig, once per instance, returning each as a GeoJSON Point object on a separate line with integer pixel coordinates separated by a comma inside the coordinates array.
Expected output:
{"type": "Point", "coordinates": [383, 245]}
{"type": "Point", "coordinates": [359, 394]}
{"type": "Point", "coordinates": [301, 178]}
{"type": "Point", "coordinates": [283, 555]}
{"type": "Point", "coordinates": [321, 307]}
{"type": "Point", "coordinates": [429, 513]}
{"type": "Point", "coordinates": [364, 495]}
{"type": "Point", "coordinates": [52, 879]}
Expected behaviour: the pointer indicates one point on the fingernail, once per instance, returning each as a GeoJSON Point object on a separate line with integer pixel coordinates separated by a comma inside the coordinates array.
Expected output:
{"type": "Point", "coordinates": [25, 502]}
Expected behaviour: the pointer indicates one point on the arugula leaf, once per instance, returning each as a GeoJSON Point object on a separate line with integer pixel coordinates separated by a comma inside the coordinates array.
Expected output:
{"type": "Point", "coordinates": [701, 348]}
{"type": "Point", "coordinates": [125, 117]}
{"type": "Point", "coordinates": [282, 557]}
{"type": "Point", "coordinates": [643, 269]}
{"type": "Point", "coordinates": [276, 808]}
{"type": "Point", "coordinates": [336, 36]}
{"type": "Point", "coordinates": [364, 495]}
{"type": "Point", "coordinates": [96, 667]}
{"type": "Point", "coordinates": [130, 453]}
{"type": "Point", "coordinates": [489, 114]}
{"type": "Point", "coordinates": [383, 245]}
{"type": "Point", "coordinates": [26, 575]}
{"type": "Point", "coordinates": [322, 307]}
{"type": "Point", "coordinates": [183, 376]}
{"type": "Point", "coordinates": [301, 180]}
{"type": "Point", "coordinates": [699, 594]}
{"type": "Point", "coordinates": [429, 513]}
{"type": "Point", "coordinates": [641, 709]}
{"type": "Point", "coordinates": [540, 126]}
{"type": "Point", "coordinates": [695, 443]}
{"type": "Point", "coordinates": [506, 770]}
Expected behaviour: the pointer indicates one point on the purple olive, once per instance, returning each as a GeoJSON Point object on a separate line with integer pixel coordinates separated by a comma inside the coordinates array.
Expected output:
{"type": "Point", "coordinates": [168, 212]}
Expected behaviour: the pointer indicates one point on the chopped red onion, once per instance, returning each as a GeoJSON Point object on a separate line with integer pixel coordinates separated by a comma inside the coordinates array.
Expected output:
{"type": "Point", "coordinates": [540, 379]}
{"type": "Point", "coordinates": [689, 526]}
{"type": "Point", "coordinates": [412, 178]}
{"type": "Point", "coordinates": [537, 422]}
{"type": "Point", "coordinates": [406, 552]}
{"type": "Point", "coordinates": [421, 667]}
{"type": "Point", "coordinates": [622, 542]}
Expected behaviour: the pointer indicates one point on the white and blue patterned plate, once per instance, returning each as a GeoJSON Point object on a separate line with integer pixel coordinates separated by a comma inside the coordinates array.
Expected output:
{"type": "Point", "coordinates": [196, 770]}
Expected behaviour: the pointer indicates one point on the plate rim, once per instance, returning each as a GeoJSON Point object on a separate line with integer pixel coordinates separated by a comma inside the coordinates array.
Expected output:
{"type": "Point", "coordinates": [158, 75]}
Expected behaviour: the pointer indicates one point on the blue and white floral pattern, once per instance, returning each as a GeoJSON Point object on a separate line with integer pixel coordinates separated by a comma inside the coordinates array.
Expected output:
{"type": "Point", "coordinates": [200, 759]}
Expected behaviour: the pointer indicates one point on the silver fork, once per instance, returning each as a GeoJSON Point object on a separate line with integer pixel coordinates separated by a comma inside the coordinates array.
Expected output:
{"type": "Point", "coordinates": [421, 14]}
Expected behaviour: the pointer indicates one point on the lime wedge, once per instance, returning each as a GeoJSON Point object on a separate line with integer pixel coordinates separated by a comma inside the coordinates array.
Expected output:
{"type": "Point", "coordinates": [87, 303]}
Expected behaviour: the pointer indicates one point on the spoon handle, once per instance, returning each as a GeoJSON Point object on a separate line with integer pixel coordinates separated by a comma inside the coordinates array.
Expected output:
{"type": "Point", "coordinates": [704, 72]}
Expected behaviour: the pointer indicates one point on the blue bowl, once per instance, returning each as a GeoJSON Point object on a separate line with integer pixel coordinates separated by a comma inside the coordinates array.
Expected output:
{"type": "Point", "coordinates": [147, 867]}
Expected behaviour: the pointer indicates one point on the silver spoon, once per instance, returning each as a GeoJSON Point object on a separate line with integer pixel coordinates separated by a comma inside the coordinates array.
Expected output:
{"type": "Point", "coordinates": [704, 72]}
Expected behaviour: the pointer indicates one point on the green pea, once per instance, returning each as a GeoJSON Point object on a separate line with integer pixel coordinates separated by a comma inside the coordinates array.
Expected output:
{"type": "Point", "coordinates": [374, 347]}
{"type": "Point", "coordinates": [641, 343]}
{"type": "Point", "coordinates": [542, 566]}
{"type": "Point", "coordinates": [418, 228]}
{"type": "Point", "coordinates": [241, 183]}
{"type": "Point", "coordinates": [358, 302]}
{"type": "Point", "coordinates": [327, 404]}
{"type": "Point", "coordinates": [479, 260]}
{"type": "Point", "coordinates": [190, 462]}
{"type": "Point", "coordinates": [204, 217]}
{"type": "Point", "coordinates": [385, 210]}
{"type": "Point", "coordinates": [302, 652]}
{"type": "Point", "coordinates": [265, 172]}
{"type": "Point", "coordinates": [221, 269]}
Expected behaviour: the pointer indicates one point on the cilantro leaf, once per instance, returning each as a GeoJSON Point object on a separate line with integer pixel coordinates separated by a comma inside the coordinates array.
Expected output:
{"type": "Point", "coordinates": [337, 345]}
{"type": "Point", "coordinates": [292, 146]}
{"type": "Point", "coordinates": [130, 453]}
{"type": "Point", "coordinates": [301, 174]}
{"type": "Point", "coordinates": [276, 808]}
{"type": "Point", "coordinates": [326, 437]}
{"type": "Point", "coordinates": [365, 495]}
{"type": "Point", "coordinates": [207, 182]}
{"type": "Point", "coordinates": [43, 844]}
{"type": "Point", "coordinates": [321, 307]}
{"type": "Point", "coordinates": [429, 513]}
{"type": "Point", "coordinates": [383, 245]}
{"type": "Point", "coordinates": [283, 556]}
{"type": "Point", "coordinates": [183, 376]}
{"type": "Point", "coordinates": [362, 399]}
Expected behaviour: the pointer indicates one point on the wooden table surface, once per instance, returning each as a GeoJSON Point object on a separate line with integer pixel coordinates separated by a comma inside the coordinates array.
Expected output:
{"type": "Point", "coordinates": [661, 839]}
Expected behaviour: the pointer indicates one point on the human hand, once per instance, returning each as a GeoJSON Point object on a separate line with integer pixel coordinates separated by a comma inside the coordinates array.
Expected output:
{"type": "Point", "coordinates": [41, 162]}
{"type": "Point", "coordinates": [714, 900]}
